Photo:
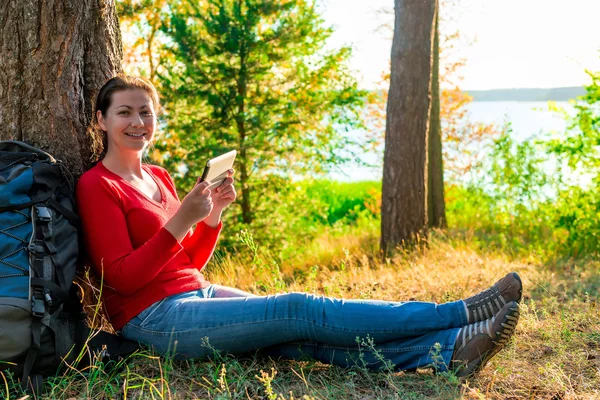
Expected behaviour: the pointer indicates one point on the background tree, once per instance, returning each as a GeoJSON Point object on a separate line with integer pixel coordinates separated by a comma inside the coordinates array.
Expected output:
{"type": "Point", "coordinates": [436, 208]}
{"type": "Point", "coordinates": [253, 75]}
{"type": "Point", "coordinates": [141, 21]}
{"type": "Point", "coordinates": [55, 57]}
{"type": "Point", "coordinates": [404, 197]}
{"type": "Point", "coordinates": [461, 141]}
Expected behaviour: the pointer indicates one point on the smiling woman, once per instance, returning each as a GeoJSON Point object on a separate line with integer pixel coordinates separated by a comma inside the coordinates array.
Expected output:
{"type": "Point", "coordinates": [126, 118]}
{"type": "Point", "coordinates": [139, 239]}
{"type": "Point", "coordinates": [133, 103]}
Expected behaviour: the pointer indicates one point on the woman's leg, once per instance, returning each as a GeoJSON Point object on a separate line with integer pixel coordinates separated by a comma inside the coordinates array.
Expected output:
{"type": "Point", "coordinates": [245, 324]}
{"type": "Point", "coordinates": [434, 349]}
{"type": "Point", "coordinates": [411, 353]}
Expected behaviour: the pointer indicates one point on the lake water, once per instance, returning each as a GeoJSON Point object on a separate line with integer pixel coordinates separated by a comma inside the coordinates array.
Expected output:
{"type": "Point", "coordinates": [527, 119]}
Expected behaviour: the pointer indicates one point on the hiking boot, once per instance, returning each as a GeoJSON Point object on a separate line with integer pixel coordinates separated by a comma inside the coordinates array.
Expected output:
{"type": "Point", "coordinates": [488, 303]}
{"type": "Point", "coordinates": [477, 343]}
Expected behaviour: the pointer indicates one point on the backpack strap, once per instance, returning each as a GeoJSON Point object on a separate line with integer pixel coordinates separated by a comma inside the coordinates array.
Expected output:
{"type": "Point", "coordinates": [52, 287]}
{"type": "Point", "coordinates": [38, 309]}
{"type": "Point", "coordinates": [46, 269]}
{"type": "Point", "coordinates": [68, 214]}
{"type": "Point", "coordinates": [43, 270]}
{"type": "Point", "coordinates": [35, 384]}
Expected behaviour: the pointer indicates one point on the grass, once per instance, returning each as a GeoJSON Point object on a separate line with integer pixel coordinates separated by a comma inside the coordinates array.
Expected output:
{"type": "Point", "coordinates": [555, 353]}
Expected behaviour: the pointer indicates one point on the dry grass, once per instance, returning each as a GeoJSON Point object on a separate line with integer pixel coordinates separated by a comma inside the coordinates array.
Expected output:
{"type": "Point", "coordinates": [554, 355]}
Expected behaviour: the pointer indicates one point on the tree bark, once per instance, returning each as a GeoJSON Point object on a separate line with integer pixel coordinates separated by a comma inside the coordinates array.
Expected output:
{"type": "Point", "coordinates": [404, 197]}
{"type": "Point", "coordinates": [244, 162]}
{"type": "Point", "coordinates": [56, 54]}
{"type": "Point", "coordinates": [436, 205]}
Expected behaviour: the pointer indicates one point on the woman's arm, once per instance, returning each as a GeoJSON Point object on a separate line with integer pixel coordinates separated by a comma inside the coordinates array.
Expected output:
{"type": "Point", "coordinates": [200, 246]}
{"type": "Point", "coordinates": [214, 218]}
{"type": "Point", "coordinates": [178, 227]}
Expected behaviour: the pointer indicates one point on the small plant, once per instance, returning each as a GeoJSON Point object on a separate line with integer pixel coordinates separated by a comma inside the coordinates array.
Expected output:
{"type": "Point", "coordinates": [267, 380]}
{"type": "Point", "coordinates": [270, 278]}
{"type": "Point", "coordinates": [386, 365]}
{"type": "Point", "coordinates": [223, 385]}
{"type": "Point", "coordinates": [440, 367]}
{"type": "Point", "coordinates": [437, 360]}
{"type": "Point", "coordinates": [367, 346]}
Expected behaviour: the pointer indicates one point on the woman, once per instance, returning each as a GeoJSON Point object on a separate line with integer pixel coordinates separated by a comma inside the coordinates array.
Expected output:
{"type": "Point", "coordinates": [139, 238]}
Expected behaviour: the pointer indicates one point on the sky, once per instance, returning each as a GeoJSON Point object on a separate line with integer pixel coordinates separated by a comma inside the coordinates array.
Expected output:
{"type": "Point", "coordinates": [508, 43]}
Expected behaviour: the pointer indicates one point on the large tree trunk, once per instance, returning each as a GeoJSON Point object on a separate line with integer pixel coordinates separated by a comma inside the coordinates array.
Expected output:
{"type": "Point", "coordinates": [435, 203]}
{"type": "Point", "coordinates": [404, 197]}
{"type": "Point", "coordinates": [56, 54]}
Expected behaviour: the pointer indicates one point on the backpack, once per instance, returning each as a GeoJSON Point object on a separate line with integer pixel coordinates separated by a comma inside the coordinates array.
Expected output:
{"type": "Point", "coordinates": [42, 323]}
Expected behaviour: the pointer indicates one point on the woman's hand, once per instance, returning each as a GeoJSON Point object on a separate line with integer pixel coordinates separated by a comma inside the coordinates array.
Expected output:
{"type": "Point", "coordinates": [224, 194]}
{"type": "Point", "coordinates": [197, 204]}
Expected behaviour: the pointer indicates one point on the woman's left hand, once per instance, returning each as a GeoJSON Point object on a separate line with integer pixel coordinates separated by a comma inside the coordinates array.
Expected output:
{"type": "Point", "coordinates": [224, 194]}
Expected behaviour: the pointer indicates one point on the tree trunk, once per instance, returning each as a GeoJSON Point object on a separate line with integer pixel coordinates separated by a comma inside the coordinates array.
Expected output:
{"type": "Point", "coordinates": [56, 54]}
{"type": "Point", "coordinates": [435, 202]}
{"type": "Point", "coordinates": [404, 197]}
{"type": "Point", "coordinates": [246, 207]}
{"type": "Point", "coordinates": [244, 162]}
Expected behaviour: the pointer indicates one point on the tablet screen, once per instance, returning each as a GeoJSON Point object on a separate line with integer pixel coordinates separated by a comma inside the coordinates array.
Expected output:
{"type": "Point", "coordinates": [216, 170]}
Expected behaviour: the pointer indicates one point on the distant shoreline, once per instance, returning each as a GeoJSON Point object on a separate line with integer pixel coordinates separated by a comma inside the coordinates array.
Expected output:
{"type": "Point", "coordinates": [528, 94]}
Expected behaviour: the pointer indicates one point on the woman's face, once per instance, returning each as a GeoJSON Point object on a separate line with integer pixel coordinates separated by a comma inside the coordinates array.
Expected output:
{"type": "Point", "coordinates": [129, 121]}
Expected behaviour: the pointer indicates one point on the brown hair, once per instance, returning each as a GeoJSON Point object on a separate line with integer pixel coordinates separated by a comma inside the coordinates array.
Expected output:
{"type": "Point", "coordinates": [104, 99]}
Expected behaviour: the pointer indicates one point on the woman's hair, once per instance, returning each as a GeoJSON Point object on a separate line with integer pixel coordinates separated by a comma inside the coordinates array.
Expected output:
{"type": "Point", "coordinates": [104, 99]}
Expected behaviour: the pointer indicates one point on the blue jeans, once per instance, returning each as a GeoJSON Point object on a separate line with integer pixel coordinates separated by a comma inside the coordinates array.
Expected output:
{"type": "Point", "coordinates": [296, 325]}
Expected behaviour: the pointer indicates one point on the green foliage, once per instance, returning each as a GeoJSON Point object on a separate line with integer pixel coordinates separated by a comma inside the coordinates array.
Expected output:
{"type": "Point", "coordinates": [338, 201]}
{"type": "Point", "coordinates": [533, 198]}
{"type": "Point", "coordinates": [299, 211]}
{"type": "Point", "coordinates": [479, 215]}
{"type": "Point", "coordinates": [270, 269]}
{"type": "Point", "coordinates": [253, 75]}
{"type": "Point", "coordinates": [577, 214]}
{"type": "Point", "coordinates": [579, 146]}
{"type": "Point", "coordinates": [516, 174]}
{"type": "Point", "coordinates": [130, 8]}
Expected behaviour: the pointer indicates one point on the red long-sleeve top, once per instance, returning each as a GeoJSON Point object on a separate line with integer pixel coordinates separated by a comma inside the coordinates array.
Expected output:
{"type": "Point", "coordinates": [123, 231]}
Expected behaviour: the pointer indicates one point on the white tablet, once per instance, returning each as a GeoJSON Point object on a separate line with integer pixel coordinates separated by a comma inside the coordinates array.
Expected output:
{"type": "Point", "coordinates": [216, 169]}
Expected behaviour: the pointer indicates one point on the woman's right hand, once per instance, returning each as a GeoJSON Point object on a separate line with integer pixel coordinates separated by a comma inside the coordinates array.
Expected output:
{"type": "Point", "coordinates": [197, 204]}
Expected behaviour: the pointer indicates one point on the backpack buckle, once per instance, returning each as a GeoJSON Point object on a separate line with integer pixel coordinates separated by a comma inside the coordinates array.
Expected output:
{"type": "Point", "coordinates": [36, 248]}
{"type": "Point", "coordinates": [38, 309]}
{"type": "Point", "coordinates": [43, 213]}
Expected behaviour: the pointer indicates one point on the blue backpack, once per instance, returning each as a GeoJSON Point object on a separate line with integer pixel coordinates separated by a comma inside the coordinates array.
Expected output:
{"type": "Point", "coordinates": [42, 323]}
{"type": "Point", "coordinates": [40, 313]}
